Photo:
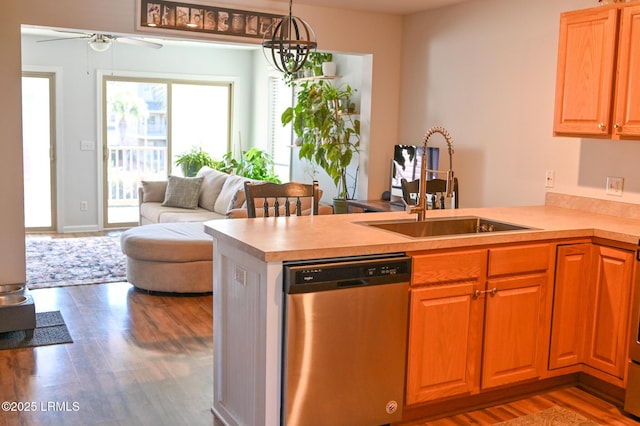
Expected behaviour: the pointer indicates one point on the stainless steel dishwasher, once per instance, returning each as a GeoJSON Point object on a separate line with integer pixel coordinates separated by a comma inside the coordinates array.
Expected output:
{"type": "Point", "coordinates": [345, 340]}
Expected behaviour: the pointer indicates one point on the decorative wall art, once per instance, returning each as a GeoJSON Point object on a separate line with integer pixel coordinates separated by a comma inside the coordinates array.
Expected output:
{"type": "Point", "coordinates": [205, 19]}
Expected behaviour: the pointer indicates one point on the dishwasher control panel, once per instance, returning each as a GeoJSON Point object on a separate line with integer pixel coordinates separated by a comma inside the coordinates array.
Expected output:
{"type": "Point", "coordinates": [326, 274]}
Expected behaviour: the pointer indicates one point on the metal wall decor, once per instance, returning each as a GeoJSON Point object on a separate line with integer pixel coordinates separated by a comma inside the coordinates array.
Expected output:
{"type": "Point", "coordinates": [206, 19]}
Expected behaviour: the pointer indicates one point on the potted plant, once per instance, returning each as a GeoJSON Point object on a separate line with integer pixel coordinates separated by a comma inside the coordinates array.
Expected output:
{"type": "Point", "coordinates": [325, 135]}
{"type": "Point", "coordinates": [194, 160]}
{"type": "Point", "coordinates": [316, 59]}
{"type": "Point", "coordinates": [253, 164]}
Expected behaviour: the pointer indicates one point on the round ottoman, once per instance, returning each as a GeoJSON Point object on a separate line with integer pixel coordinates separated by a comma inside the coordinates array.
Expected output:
{"type": "Point", "coordinates": [169, 257]}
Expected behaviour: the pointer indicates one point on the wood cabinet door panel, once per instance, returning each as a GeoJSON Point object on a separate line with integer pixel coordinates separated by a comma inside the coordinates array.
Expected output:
{"type": "Point", "coordinates": [444, 342]}
{"type": "Point", "coordinates": [569, 305]}
{"type": "Point", "coordinates": [584, 79]}
{"type": "Point", "coordinates": [607, 346]}
{"type": "Point", "coordinates": [627, 116]}
{"type": "Point", "coordinates": [513, 345]}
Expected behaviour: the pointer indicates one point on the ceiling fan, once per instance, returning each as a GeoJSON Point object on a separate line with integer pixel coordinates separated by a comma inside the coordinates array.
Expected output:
{"type": "Point", "coordinates": [101, 42]}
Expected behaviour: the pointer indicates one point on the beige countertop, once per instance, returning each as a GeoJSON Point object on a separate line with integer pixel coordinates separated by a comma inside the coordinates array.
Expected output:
{"type": "Point", "coordinates": [310, 237]}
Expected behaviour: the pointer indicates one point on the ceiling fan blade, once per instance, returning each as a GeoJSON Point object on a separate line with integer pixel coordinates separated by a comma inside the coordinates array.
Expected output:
{"type": "Point", "coordinates": [86, 36]}
{"type": "Point", "coordinates": [138, 42]}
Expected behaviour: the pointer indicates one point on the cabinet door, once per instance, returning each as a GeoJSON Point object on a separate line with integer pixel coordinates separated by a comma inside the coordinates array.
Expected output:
{"type": "Point", "coordinates": [584, 79]}
{"type": "Point", "coordinates": [569, 305]}
{"type": "Point", "coordinates": [627, 116]}
{"type": "Point", "coordinates": [514, 337]}
{"type": "Point", "coordinates": [445, 331]}
{"type": "Point", "coordinates": [607, 346]}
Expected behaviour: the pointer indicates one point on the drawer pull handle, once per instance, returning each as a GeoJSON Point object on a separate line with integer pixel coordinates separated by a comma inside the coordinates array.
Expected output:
{"type": "Point", "coordinates": [477, 293]}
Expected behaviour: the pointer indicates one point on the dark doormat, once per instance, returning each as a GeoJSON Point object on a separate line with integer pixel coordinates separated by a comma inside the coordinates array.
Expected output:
{"type": "Point", "coordinates": [50, 330]}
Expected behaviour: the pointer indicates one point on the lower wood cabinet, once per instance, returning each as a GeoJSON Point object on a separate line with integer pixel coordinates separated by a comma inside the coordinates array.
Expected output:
{"type": "Point", "coordinates": [592, 308]}
{"type": "Point", "coordinates": [444, 342]}
{"type": "Point", "coordinates": [479, 319]}
{"type": "Point", "coordinates": [514, 337]}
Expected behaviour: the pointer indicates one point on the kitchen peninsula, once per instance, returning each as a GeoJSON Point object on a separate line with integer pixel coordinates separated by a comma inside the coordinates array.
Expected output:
{"type": "Point", "coordinates": [248, 297]}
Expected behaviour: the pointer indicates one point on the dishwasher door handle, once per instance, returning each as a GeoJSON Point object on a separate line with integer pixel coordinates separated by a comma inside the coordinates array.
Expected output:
{"type": "Point", "coordinates": [352, 283]}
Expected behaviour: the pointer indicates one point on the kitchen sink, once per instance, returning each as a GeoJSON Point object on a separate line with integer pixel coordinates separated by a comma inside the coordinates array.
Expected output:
{"type": "Point", "coordinates": [445, 226]}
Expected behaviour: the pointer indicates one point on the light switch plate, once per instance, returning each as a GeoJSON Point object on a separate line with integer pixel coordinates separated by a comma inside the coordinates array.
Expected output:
{"type": "Point", "coordinates": [87, 145]}
{"type": "Point", "coordinates": [614, 186]}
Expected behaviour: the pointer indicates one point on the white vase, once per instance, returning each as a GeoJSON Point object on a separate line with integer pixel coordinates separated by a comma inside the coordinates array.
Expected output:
{"type": "Point", "coordinates": [328, 68]}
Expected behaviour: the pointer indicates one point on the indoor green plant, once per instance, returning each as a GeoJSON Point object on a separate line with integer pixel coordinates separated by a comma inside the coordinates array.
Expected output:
{"type": "Point", "coordinates": [316, 59]}
{"type": "Point", "coordinates": [253, 164]}
{"type": "Point", "coordinates": [325, 135]}
{"type": "Point", "coordinates": [194, 160]}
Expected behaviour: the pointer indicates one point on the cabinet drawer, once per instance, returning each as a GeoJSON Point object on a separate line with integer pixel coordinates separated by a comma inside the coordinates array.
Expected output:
{"type": "Point", "coordinates": [517, 260]}
{"type": "Point", "coordinates": [447, 267]}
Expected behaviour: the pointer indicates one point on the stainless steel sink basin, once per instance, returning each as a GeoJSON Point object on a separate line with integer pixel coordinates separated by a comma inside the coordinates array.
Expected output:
{"type": "Point", "coordinates": [445, 226]}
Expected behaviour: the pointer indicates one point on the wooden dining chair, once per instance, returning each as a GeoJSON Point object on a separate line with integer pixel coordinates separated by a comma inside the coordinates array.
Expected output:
{"type": "Point", "coordinates": [274, 196]}
{"type": "Point", "coordinates": [434, 186]}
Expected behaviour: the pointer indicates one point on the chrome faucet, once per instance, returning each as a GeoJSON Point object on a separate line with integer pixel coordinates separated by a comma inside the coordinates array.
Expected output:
{"type": "Point", "coordinates": [421, 207]}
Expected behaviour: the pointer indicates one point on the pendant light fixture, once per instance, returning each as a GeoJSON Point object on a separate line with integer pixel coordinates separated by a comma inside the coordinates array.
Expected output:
{"type": "Point", "coordinates": [291, 41]}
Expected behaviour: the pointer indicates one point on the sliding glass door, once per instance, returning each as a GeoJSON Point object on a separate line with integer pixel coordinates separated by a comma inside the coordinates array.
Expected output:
{"type": "Point", "coordinates": [149, 121]}
{"type": "Point", "coordinates": [38, 140]}
{"type": "Point", "coordinates": [135, 145]}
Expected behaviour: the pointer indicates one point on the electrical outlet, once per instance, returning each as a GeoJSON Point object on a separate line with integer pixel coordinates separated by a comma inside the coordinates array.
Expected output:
{"type": "Point", "coordinates": [240, 275]}
{"type": "Point", "coordinates": [614, 185]}
{"type": "Point", "coordinates": [550, 179]}
{"type": "Point", "coordinates": [84, 206]}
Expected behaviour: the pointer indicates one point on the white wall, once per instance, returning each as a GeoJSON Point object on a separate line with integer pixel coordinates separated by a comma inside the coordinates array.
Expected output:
{"type": "Point", "coordinates": [79, 80]}
{"type": "Point", "coordinates": [485, 70]}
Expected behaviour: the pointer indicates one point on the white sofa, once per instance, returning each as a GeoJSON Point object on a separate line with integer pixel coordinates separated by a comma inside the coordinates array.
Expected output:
{"type": "Point", "coordinates": [215, 200]}
{"type": "Point", "coordinates": [221, 195]}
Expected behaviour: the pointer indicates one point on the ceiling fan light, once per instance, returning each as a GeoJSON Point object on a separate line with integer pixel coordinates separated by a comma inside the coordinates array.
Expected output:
{"type": "Point", "coordinates": [100, 44]}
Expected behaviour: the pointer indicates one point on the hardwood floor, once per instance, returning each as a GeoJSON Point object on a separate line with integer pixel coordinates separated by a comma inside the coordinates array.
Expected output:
{"type": "Point", "coordinates": [147, 359]}
{"type": "Point", "coordinates": [136, 359]}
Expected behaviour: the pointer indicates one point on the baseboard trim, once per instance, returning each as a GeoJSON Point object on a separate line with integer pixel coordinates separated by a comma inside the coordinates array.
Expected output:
{"type": "Point", "coordinates": [80, 229]}
{"type": "Point", "coordinates": [433, 410]}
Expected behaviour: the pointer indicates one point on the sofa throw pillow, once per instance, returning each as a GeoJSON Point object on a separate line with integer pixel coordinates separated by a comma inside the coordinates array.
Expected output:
{"type": "Point", "coordinates": [229, 189]}
{"type": "Point", "coordinates": [237, 201]}
{"type": "Point", "coordinates": [211, 186]}
{"type": "Point", "coordinates": [153, 191]}
{"type": "Point", "coordinates": [182, 192]}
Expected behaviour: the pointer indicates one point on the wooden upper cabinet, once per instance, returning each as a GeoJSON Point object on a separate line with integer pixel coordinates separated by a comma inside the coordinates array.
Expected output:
{"type": "Point", "coordinates": [585, 75]}
{"type": "Point", "coordinates": [598, 77]}
{"type": "Point", "coordinates": [627, 112]}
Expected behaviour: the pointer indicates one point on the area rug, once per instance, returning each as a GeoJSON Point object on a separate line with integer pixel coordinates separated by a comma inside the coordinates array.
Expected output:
{"type": "Point", "coordinates": [56, 262]}
{"type": "Point", "coordinates": [554, 416]}
{"type": "Point", "coordinates": [50, 330]}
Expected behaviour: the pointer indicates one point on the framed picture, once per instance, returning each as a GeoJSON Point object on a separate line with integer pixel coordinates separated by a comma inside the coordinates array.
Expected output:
{"type": "Point", "coordinates": [205, 19]}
